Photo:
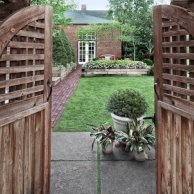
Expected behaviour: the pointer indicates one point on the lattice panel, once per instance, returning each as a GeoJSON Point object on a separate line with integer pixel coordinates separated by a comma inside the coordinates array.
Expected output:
{"type": "Point", "coordinates": [22, 64]}
{"type": "Point", "coordinates": [178, 61]}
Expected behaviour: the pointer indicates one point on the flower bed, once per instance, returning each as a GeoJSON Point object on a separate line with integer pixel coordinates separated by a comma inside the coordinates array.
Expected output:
{"type": "Point", "coordinates": [114, 67]}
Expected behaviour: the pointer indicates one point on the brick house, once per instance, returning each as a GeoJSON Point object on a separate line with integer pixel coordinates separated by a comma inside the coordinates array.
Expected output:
{"type": "Point", "coordinates": [95, 46]}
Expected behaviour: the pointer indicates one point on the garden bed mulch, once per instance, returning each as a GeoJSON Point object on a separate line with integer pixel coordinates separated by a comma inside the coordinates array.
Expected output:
{"type": "Point", "coordinates": [62, 92]}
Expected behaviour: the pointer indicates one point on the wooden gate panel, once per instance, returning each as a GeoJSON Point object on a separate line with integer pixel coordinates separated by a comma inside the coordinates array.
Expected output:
{"type": "Point", "coordinates": [174, 80]}
{"type": "Point", "coordinates": [25, 77]}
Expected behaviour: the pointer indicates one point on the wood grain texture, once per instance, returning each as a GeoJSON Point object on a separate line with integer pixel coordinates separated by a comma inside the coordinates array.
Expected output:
{"type": "Point", "coordinates": [174, 62]}
{"type": "Point", "coordinates": [25, 109]}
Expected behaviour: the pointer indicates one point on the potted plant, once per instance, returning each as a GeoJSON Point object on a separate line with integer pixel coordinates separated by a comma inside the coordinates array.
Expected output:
{"type": "Point", "coordinates": [139, 139]}
{"type": "Point", "coordinates": [125, 105]}
{"type": "Point", "coordinates": [105, 136]}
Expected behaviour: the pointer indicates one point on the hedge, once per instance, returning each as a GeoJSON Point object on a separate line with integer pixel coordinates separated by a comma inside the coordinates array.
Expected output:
{"type": "Point", "coordinates": [62, 50]}
{"type": "Point", "coordinates": [115, 64]}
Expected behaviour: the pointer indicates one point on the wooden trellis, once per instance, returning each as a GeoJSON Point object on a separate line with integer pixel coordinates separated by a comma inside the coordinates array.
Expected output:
{"type": "Point", "coordinates": [25, 77]}
{"type": "Point", "coordinates": [174, 82]}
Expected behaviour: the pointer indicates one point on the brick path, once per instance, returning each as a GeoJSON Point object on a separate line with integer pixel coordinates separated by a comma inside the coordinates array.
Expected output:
{"type": "Point", "coordinates": [62, 92]}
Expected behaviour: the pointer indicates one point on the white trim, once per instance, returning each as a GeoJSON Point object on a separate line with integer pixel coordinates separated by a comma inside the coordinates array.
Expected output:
{"type": "Point", "coordinates": [86, 54]}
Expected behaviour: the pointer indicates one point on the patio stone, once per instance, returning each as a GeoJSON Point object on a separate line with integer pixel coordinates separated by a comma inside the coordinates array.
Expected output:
{"type": "Point", "coordinates": [73, 177]}
{"type": "Point", "coordinates": [128, 177]}
{"type": "Point", "coordinates": [78, 146]}
{"type": "Point", "coordinates": [73, 169]}
{"type": "Point", "coordinates": [72, 146]}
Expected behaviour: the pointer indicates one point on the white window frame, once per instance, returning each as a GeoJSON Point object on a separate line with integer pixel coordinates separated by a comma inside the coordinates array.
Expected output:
{"type": "Point", "coordinates": [86, 51]}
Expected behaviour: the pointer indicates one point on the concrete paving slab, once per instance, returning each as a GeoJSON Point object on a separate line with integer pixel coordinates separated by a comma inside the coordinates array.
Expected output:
{"type": "Point", "coordinates": [78, 146]}
{"type": "Point", "coordinates": [72, 146]}
{"type": "Point", "coordinates": [128, 177]}
{"type": "Point", "coordinates": [77, 177]}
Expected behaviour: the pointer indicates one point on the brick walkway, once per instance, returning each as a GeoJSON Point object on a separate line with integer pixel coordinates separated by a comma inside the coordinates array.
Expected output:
{"type": "Point", "coordinates": [62, 93]}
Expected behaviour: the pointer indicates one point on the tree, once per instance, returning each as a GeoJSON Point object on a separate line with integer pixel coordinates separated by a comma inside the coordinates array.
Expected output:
{"type": "Point", "coordinates": [59, 8]}
{"type": "Point", "coordinates": [135, 17]}
{"type": "Point", "coordinates": [62, 50]}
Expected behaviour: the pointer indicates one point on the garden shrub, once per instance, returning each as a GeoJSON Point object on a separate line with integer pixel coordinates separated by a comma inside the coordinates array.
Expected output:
{"type": "Point", "coordinates": [149, 62]}
{"type": "Point", "coordinates": [115, 64]}
{"type": "Point", "coordinates": [127, 103]}
{"type": "Point", "coordinates": [151, 71]}
{"type": "Point", "coordinates": [62, 50]}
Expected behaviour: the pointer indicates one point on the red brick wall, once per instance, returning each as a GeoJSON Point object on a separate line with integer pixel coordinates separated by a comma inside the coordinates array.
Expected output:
{"type": "Point", "coordinates": [106, 43]}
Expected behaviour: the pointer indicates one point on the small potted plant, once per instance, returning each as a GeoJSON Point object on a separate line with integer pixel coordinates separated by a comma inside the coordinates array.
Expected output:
{"type": "Point", "coordinates": [105, 136]}
{"type": "Point", "coordinates": [139, 139]}
{"type": "Point", "coordinates": [125, 105]}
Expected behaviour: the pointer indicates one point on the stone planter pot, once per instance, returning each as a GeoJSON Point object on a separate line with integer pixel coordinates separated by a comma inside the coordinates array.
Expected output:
{"type": "Point", "coordinates": [140, 156]}
{"type": "Point", "coordinates": [120, 123]}
{"type": "Point", "coordinates": [107, 149]}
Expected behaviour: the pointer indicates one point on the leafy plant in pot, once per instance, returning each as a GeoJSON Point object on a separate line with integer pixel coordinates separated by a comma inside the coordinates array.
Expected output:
{"type": "Point", "coordinates": [139, 139]}
{"type": "Point", "coordinates": [125, 105]}
{"type": "Point", "coordinates": [105, 136]}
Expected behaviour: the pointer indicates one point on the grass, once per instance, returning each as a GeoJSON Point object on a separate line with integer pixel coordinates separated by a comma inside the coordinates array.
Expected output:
{"type": "Point", "coordinates": [88, 104]}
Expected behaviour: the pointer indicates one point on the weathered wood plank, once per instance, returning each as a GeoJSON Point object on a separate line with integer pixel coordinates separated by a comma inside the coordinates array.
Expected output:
{"type": "Point", "coordinates": [39, 130]}
{"type": "Point", "coordinates": [13, 44]}
{"type": "Point", "coordinates": [31, 34]}
{"type": "Point", "coordinates": [15, 107]}
{"type": "Point", "coordinates": [13, 118]}
{"type": "Point", "coordinates": [37, 24]}
{"type": "Point", "coordinates": [186, 156]}
{"type": "Point", "coordinates": [178, 90]}
{"type": "Point", "coordinates": [21, 57]}
{"type": "Point", "coordinates": [7, 158]}
{"type": "Point", "coordinates": [178, 55]}
{"type": "Point", "coordinates": [18, 165]}
{"type": "Point", "coordinates": [47, 92]}
{"type": "Point", "coordinates": [178, 67]}
{"type": "Point", "coordinates": [12, 26]}
{"type": "Point", "coordinates": [178, 153]}
{"type": "Point", "coordinates": [176, 110]}
{"type": "Point", "coordinates": [18, 81]}
{"type": "Point", "coordinates": [20, 93]}
{"type": "Point", "coordinates": [21, 69]}
{"type": "Point", "coordinates": [178, 43]}
{"type": "Point", "coordinates": [174, 33]}
{"type": "Point", "coordinates": [178, 78]}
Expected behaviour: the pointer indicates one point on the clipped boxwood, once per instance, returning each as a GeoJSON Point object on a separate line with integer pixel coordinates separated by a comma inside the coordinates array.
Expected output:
{"type": "Point", "coordinates": [127, 103]}
{"type": "Point", "coordinates": [115, 64]}
{"type": "Point", "coordinates": [62, 50]}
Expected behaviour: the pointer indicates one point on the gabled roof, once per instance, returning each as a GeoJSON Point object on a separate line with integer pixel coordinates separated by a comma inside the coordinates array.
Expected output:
{"type": "Point", "coordinates": [88, 17]}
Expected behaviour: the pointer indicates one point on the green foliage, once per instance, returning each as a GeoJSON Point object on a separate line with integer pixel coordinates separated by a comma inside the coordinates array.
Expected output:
{"type": "Point", "coordinates": [59, 8]}
{"type": "Point", "coordinates": [115, 64]}
{"type": "Point", "coordinates": [136, 19]}
{"type": "Point", "coordinates": [139, 138]}
{"type": "Point", "coordinates": [103, 135]}
{"type": "Point", "coordinates": [62, 50]}
{"type": "Point", "coordinates": [87, 105]}
{"type": "Point", "coordinates": [149, 62]}
{"type": "Point", "coordinates": [99, 30]}
{"type": "Point", "coordinates": [151, 71]}
{"type": "Point", "coordinates": [127, 103]}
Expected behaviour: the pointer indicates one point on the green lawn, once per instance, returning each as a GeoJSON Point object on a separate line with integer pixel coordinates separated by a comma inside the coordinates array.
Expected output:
{"type": "Point", "coordinates": [87, 106]}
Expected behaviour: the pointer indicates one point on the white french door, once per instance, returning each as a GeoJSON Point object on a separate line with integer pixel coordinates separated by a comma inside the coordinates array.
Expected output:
{"type": "Point", "coordinates": [86, 51]}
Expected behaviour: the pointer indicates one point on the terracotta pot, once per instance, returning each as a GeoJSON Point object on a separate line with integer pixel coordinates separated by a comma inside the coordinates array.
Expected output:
{"type": "Point", "coordinates": [140, 156]}
{"type": "Point", "coordinates": [108, 149]}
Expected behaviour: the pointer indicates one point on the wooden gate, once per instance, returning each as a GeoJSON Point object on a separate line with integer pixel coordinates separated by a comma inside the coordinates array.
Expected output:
{"type": "Point", "coordinates": [174, 82]}
{"type": "Point", "coordinates": [25, 77]}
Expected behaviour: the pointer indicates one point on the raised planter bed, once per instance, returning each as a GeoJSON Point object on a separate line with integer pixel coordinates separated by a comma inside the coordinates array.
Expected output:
{"type": "Point", "coordinates": [59, 74]}
{"type": "Point", "coordinates": [125, 72]}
